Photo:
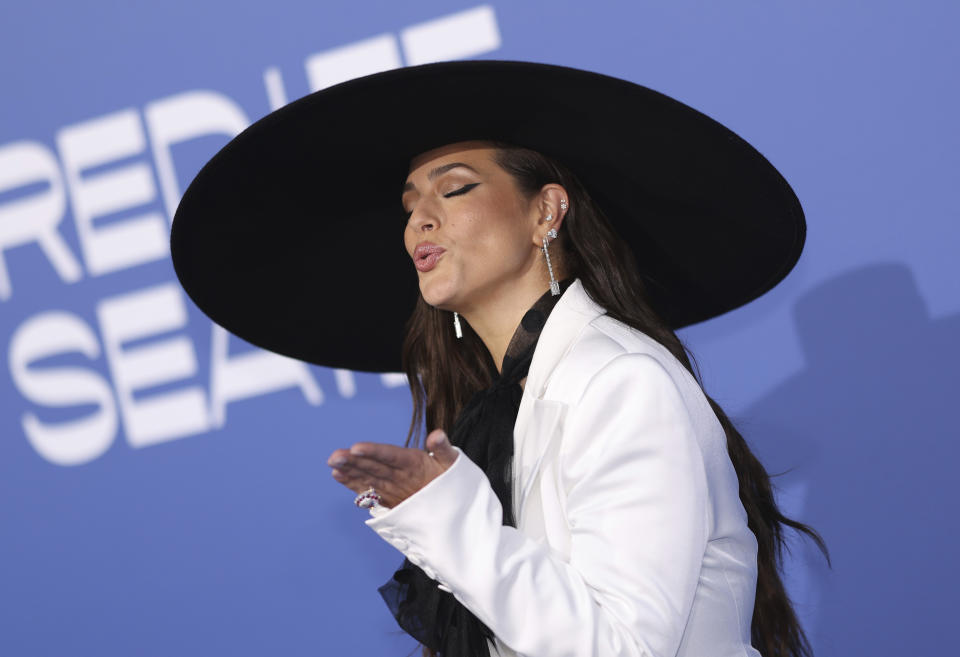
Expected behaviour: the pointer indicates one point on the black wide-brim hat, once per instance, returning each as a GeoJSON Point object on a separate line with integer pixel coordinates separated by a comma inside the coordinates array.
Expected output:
{"type": "Point", "coordinates": [291, 236]}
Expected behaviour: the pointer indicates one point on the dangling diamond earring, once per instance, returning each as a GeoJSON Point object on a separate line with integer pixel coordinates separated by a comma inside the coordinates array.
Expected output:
{"type": "Point", "coordinates": [456, 325]}
{"type": "Point", "coordinates": [554, 285]}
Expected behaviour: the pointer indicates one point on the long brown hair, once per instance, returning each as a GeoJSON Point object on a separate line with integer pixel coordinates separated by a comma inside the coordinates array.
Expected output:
{"type": "Point", "coordinates": [444, 372]}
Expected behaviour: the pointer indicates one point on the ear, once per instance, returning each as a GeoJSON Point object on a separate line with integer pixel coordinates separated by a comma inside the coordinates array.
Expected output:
{"type": "Point", "coordinates": [549, 205]}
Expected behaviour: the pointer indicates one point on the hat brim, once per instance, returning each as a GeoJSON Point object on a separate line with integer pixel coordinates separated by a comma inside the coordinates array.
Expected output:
{"type": "Point", "coordinates": [291, 236]}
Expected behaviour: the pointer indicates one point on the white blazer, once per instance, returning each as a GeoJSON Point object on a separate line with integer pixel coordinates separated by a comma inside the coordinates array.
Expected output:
{"type": "Point", "coordinates": [630, 538]}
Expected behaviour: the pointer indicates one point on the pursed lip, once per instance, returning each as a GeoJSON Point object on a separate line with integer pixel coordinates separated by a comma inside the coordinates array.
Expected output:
{"type": "Point", "coordinates": [425, 256]}
{"type": "Point", "coordinates": [426, 248]}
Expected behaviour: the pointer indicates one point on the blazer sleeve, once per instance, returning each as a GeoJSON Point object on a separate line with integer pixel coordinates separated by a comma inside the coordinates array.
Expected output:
{"type": "Point", "coordinates": [637, 508]}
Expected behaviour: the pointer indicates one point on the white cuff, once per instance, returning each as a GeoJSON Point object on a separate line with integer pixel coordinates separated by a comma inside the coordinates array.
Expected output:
{"type": "Point", "coordinates": [409, 525]}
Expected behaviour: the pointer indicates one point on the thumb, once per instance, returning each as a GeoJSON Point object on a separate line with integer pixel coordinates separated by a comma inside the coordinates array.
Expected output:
{"type": "Point", "coordinates": [438, 443]}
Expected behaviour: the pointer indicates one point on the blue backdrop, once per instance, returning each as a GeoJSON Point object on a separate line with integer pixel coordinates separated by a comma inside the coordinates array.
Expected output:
{"type": "Point", "coordinates": [164, 487]}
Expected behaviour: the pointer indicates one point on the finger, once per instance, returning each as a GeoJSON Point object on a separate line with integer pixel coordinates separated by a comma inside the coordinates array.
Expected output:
{"type": "Point", "coordinates": [359, 483]}
{"type": "Point", "coordinates": [341, 458]}
{"type": "Point", "coordinates": [401, 483]}
{"type": "Point", "coordinates": [438, 443]}
{"type": "Point", "coordinates": [393, 485]}
{"type": "Point", "coordinates": [391, 455]}
{"type": "Point", "coordinates": [371, 467]}
{"type": "Point", "coordinates": [337, 456]}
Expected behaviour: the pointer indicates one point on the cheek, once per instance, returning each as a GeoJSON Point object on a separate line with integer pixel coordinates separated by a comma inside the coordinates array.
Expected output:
{"type": "Point", "coordinates": [496, 246]}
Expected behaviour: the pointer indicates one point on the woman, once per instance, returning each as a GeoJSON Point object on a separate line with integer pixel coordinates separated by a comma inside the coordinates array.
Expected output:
{"type": "Point", "coordinates": [579, 493]}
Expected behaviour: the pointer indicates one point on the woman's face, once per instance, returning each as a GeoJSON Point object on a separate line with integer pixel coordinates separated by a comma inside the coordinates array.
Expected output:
{"type": "Point", "coordinates": [461, 202]}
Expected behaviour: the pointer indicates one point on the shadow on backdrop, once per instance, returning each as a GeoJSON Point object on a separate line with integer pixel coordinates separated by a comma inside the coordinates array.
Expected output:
{"type": "Point", "coordinates": [866, 436]}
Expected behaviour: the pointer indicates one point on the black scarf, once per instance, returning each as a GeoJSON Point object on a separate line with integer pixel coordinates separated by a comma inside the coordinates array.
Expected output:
{"type": "Point", "coordinates": [484, 431]}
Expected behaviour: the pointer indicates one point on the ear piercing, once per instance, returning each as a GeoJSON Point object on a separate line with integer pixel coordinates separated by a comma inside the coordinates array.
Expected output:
{"type": "Point", "coordinates": [563, 206]}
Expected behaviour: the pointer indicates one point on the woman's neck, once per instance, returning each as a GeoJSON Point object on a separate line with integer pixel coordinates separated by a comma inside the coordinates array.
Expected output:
{"type": "Point", "coordinates": [496, 320]}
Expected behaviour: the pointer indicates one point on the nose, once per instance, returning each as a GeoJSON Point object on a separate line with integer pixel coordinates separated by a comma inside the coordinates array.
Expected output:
{"type": "Point", "coordinates": [422, 219]}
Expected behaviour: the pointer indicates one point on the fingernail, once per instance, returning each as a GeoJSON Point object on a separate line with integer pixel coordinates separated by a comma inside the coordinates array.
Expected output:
{"type": "Point", "coordinates": [337, 462]}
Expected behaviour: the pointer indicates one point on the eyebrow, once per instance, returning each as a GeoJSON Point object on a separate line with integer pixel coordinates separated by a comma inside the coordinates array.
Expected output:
{"type": "Point", "coordinates": [439, 170]}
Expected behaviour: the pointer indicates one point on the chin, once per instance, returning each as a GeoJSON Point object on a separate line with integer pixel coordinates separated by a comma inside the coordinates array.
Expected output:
{"type": "Point", "coordinates": [436, 292]}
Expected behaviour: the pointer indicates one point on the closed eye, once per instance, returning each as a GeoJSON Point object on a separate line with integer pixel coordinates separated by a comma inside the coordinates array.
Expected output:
{"type": "Point", "coordinates": [456, 192]}
{"type": "Point", "coordinates": [462, 190]}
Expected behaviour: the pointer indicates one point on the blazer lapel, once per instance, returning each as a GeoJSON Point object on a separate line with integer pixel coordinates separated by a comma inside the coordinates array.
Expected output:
{"type": "Point", "coordinates": [537, 418]}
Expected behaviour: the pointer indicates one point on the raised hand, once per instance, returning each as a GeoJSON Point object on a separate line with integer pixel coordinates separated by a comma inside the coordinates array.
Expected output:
{"type": "Point", "coordinates": [395, 472]}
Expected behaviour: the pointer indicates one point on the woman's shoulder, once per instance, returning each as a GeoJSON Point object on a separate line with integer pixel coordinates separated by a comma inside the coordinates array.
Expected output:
{"type": "Point", "coordinates": [605, 340]}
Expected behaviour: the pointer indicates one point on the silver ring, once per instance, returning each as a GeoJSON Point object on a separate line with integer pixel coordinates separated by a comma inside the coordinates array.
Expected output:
{"type": "Point", "coordinates": [367, 498]}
